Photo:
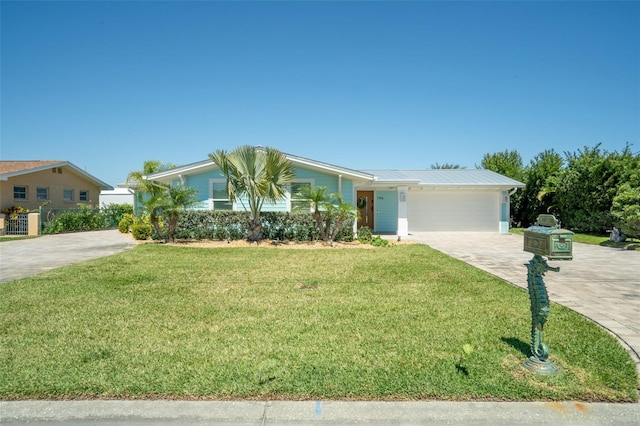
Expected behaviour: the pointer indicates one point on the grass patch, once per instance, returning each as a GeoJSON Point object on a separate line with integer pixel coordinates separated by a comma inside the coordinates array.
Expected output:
{"type": "Point", "coordinates": [256, 323]}
{"type": "Point", "coordinates": [599, 240]}
{"type": "Point", "coordinates": [5, 238]}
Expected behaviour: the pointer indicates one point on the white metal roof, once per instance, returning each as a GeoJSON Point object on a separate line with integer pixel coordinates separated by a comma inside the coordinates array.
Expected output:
{"type": "Point", "coordinates": [200, 166]}
{"type": "Point", "coordinates": [445, 177]}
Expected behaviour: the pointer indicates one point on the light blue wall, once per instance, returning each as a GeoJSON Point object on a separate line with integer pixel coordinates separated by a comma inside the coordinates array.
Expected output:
{"type": "Point", "coordinates": [386, 211]}
{"type": "Point", "coordinates": [504, 206]}
{"type": "Point", "coordinates": [328, 180]}
{"type": "Point", "coordinates": [201, 183]}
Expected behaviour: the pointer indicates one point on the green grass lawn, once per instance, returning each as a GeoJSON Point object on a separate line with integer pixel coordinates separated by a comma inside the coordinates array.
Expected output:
{"type": "Point", "coordinates": [7, 238]}
{"type": "Point", "coordinates": [261, 323]}
{"type": "Point", "coordinates": [599, 240]}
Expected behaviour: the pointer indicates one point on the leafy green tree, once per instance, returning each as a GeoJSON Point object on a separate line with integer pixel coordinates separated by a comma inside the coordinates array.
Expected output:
{"type": "Point", "coordinates": [541, 178]}
{"type": "Point", "coordinates": [626, 210]}
{"type": "Point", "coordinates": [254, 175]}
{"type": "Point", "coordinates": [329, 211]}
{"type": "Point", "coordinates": [508, 163]}
{"type": "Point", "coordinates": [586, 187]}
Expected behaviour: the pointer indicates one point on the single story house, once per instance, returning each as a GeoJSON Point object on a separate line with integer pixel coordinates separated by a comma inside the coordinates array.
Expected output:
{"type": "Point", "coordinates": [60, 184]}
{"type": "Point", "coordinates": [389, 201]}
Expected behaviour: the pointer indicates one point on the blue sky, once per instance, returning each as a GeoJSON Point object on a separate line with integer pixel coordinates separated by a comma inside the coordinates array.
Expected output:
{"type": "Point", "coordinates": [109, 85]}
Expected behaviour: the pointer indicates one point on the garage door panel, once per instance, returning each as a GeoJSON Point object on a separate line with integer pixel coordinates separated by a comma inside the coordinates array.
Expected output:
{"type": "Point", "coordinates": [473, 211]}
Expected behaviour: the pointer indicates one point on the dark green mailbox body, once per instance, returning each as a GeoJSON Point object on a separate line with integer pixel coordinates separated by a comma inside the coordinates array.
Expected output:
{"type": "Point", "coordinates": [550, 241]}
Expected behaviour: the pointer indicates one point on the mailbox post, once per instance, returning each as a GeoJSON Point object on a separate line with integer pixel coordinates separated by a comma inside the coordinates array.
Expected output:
{"type": "Point", "coordinates": [545, 238]}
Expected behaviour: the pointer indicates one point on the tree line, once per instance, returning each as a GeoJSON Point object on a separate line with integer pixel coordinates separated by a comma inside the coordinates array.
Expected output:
{"type": "Point", "coordinates": [590, 190]}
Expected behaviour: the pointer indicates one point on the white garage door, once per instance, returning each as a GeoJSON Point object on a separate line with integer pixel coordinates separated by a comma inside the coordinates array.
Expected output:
{"type": "Point", "coordinates": [475, 211]}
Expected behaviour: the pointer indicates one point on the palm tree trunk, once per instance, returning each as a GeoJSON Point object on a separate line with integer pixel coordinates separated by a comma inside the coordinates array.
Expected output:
{"type": "Point", "coordinates": [254, 230]}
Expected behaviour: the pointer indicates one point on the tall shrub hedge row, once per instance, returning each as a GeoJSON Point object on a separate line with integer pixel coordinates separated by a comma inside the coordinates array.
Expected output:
{"type": "Point", "coordinates": [232, 225]}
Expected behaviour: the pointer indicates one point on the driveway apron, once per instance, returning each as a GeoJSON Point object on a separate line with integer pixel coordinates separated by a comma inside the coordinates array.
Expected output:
{"type": "Point", "coordinates": [601, 283]}
{"type": "Point", "coordinates": [23, 258]}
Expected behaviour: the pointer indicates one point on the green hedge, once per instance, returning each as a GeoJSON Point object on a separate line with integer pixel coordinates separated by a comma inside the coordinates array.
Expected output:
{"type": "Point", "coordinates": [231, 225]}
{"type": "Point", "coordinates": [83, 218]}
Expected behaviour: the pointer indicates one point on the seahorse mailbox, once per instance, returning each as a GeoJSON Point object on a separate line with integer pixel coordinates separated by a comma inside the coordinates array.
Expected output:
{"type": "Point", "coordinates": [545, 238]}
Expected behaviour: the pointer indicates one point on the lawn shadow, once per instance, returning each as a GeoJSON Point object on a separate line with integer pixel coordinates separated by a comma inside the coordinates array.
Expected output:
{"type": "Point", "coordinates": [629, 244]}
{"type": "Point", "coordinates": [517, 344]}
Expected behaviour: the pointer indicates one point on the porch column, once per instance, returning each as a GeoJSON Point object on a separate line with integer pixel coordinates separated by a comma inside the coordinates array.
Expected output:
{"type": "Point", "coordinates": [403, 220]}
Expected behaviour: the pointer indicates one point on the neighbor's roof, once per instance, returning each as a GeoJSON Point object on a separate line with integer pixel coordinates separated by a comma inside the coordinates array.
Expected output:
{"type": "Point", "coordinates": [9, 169]}
{"type": "Point", "coordinates": [446, 178]}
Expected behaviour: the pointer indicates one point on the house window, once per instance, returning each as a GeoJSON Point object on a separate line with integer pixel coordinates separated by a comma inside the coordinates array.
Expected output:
{"type": "Point", "coordinates": [42, 194]}
{"type": "Point", "coordinates": [220, 197]}
{"type": "Point", "coordinates": [296, 201]}
{"type": "Point", "coordinates": [84, 196]}
{"type": "Point", "coordinates": [20, 192]}
{"type": "Point", "coordinates": [68, 195]}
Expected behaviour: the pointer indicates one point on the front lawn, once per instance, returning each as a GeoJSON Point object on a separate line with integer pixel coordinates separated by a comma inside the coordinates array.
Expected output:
{"type": "Point", "coordinates": [262, 323]}
{"type": "Point", "coordinates": [598, 240]}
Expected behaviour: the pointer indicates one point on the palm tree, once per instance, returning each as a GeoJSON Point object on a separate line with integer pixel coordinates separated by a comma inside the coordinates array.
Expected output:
{"type": "Point", "coordinates": [148, 193]}
{"type": "Point", "coordinates": [176, 199]}
{"type": "Point", "coordinates": [254, 175]}
{"type": "Point", "coordinates": [161, 200]}
{"type": "Point", "coordinates": [329, 211]}
{"type": "Point", "coordinates": [447, 166]}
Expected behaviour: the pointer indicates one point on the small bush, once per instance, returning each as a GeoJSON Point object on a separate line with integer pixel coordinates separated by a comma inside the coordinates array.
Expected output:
{"type": "Point", "coordinates": [364, 235]}
{"type": "Point", "coordinates": [141, 231]}
{"type": "Point", "coordinates": [13, 211]}
{"type": "Point", "coordinates": [114, 213]}
{"type": "Point", "coordinates": [125, 223]}
{"type": "Point", "coordinates": [378, 241]}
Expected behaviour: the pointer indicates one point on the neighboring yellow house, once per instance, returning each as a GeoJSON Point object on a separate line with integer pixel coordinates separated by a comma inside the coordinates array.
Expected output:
{"type": "Point", "coordinates": [59, 184]}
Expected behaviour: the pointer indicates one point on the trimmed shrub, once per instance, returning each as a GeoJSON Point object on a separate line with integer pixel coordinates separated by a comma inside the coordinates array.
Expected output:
{"type": "Point", "coordinates": [113, 213]}
{"type": "Point", "coordinates": [232, 225]}
{"type": "Point", "coordinates": [125, 223]}
{"type": "Point", "coordinates": [141, 231]}
{"type": "Point", "coordinates": [364, 235]}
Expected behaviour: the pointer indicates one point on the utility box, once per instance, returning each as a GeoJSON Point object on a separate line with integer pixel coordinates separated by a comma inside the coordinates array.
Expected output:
{"type": "Point", "coordinates": [546, 238]}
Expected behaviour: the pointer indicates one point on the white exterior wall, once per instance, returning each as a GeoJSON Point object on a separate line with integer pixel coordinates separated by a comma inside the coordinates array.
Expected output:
{"type": "Point", "coordinates": [403, 211]}
{"type": "Point", "coordinates": [117, 196]}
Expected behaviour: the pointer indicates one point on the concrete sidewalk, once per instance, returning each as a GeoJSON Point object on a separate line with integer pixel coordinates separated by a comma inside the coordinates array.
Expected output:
{"type": "Point", "coordinates": [278, 413]}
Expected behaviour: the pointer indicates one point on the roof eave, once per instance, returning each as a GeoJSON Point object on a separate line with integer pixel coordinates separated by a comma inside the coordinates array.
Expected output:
{"type": "Point", "coordinates": [169, 175]}
{"type": "Point", "coordinates": [77, 170]}
{"type": "Point", "coordinates": [6, 176]}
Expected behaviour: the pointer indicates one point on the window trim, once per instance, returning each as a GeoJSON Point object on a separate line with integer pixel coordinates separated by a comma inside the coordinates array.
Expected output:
{"type": "Point", "coordinates": [64, 195]}
{"type": "Point", "coordinates": [26, 192]}
{"type": "Point", "coordinates": [38, 197]}
{"type": "Point", "coordinates": [86, 192]}
{"type": "Point", "coordinates": [290, 198]}
{"type": "Point", "coordinates": [213, 200]}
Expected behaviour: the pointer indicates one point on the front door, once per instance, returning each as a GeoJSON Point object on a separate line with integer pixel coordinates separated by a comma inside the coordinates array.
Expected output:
{"type": "Point", "coordinates": [365, 209]}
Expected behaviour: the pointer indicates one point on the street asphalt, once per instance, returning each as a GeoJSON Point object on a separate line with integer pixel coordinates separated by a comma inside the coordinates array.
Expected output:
{"type": "Point", "coordinates": [601, 283]}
